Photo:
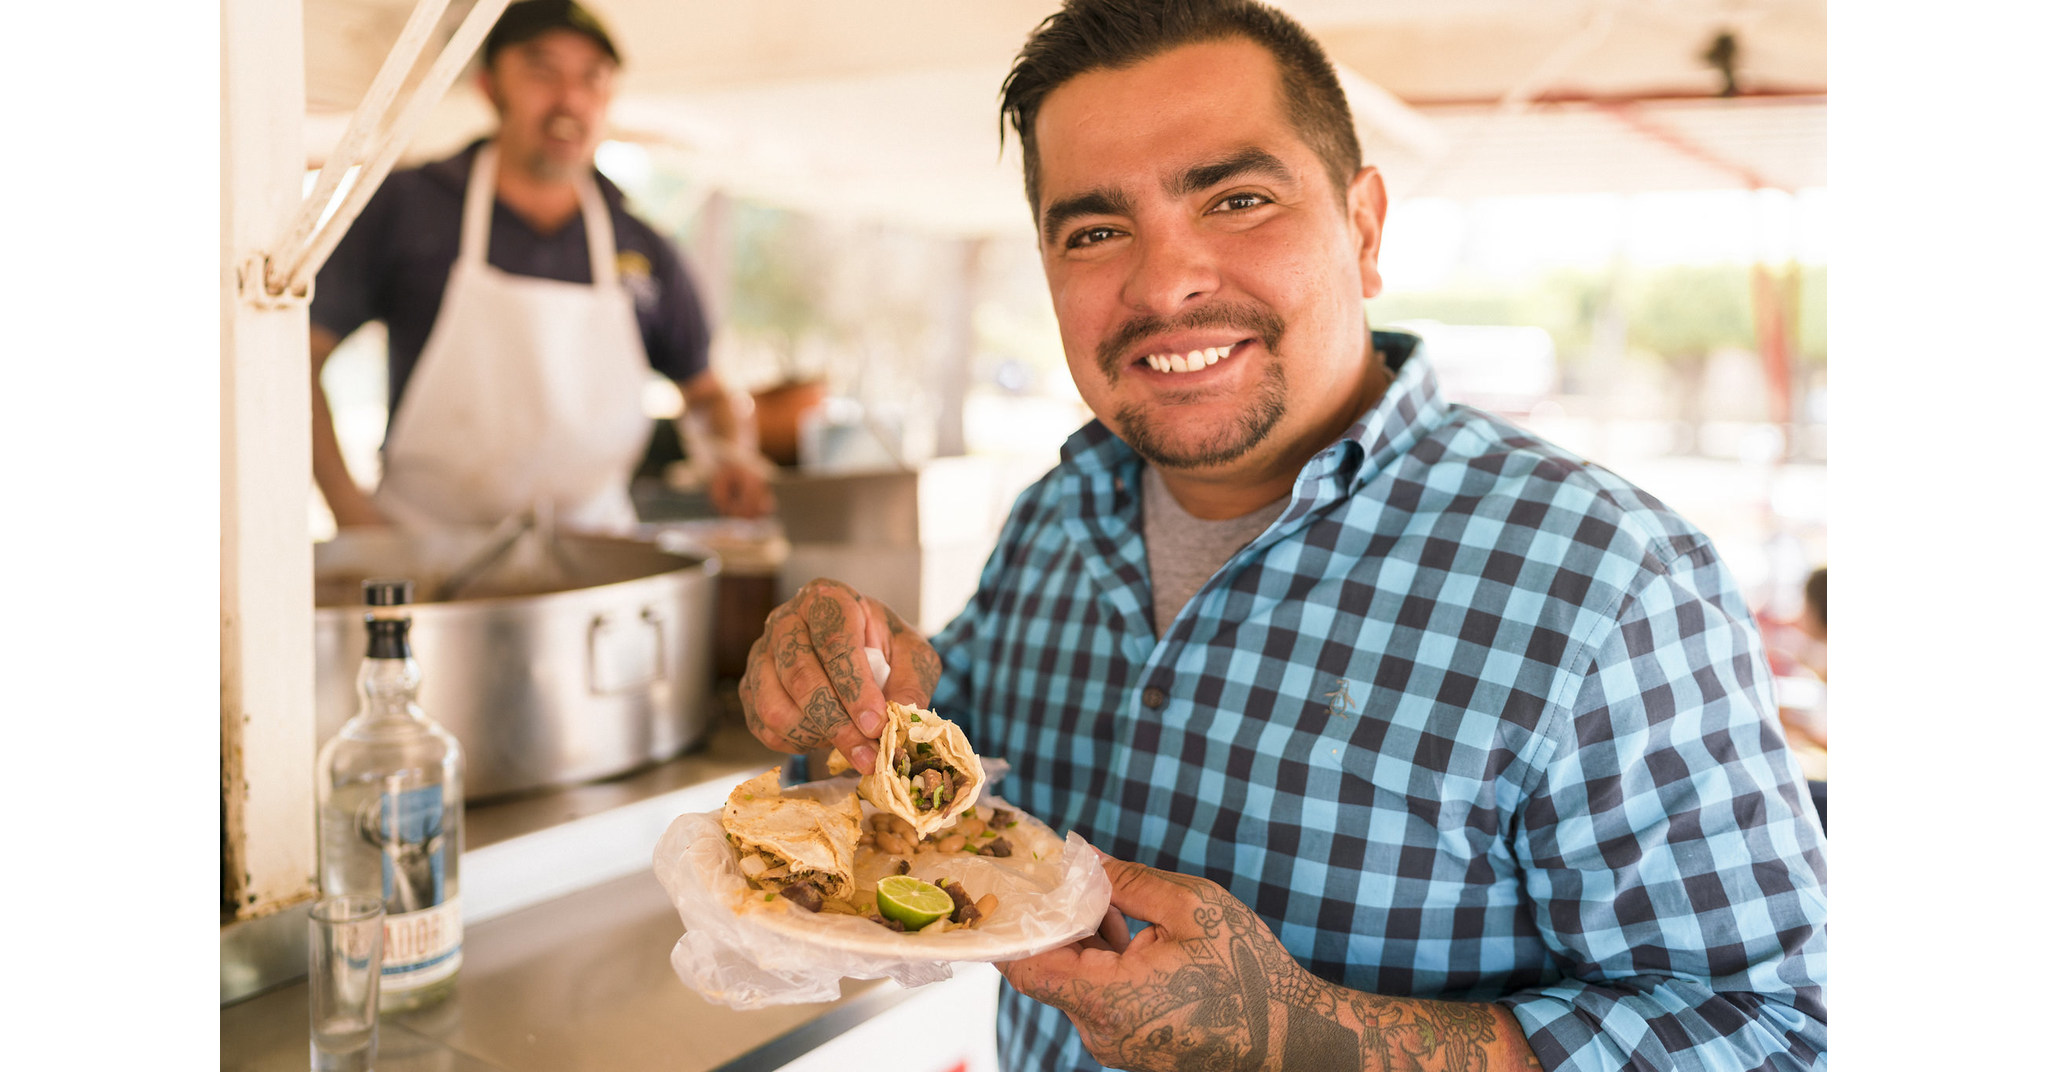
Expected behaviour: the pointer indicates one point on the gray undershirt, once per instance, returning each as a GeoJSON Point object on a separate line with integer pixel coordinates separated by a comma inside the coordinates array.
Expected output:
{"type": "Point", "coordinates": [1184, 551]}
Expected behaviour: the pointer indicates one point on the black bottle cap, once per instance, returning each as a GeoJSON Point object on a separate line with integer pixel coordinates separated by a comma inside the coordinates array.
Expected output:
{"type": "Point", "coordinates": [387, 592]}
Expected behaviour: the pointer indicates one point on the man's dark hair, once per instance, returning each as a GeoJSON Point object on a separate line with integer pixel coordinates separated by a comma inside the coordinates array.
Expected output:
{"type": "Point", "coordinates": [527, 19]}
{"type": "Point", "coordinates": [1092, 35]}
{"type": "Point", "coordinates": [1816, 595]}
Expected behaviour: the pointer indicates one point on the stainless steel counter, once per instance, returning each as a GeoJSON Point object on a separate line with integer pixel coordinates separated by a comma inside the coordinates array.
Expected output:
{"type": "Point", "coordinates": [583, 982]}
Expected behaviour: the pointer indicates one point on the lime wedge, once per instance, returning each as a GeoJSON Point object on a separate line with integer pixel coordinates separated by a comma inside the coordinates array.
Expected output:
{"type": "Point", "coordinates": [912, 902]}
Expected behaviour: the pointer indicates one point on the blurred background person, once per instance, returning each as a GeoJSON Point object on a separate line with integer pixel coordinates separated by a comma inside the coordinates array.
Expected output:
{"type": "Point", "coordinates": [524, 306]}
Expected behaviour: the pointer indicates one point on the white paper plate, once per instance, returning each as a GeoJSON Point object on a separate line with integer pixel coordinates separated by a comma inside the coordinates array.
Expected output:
{"type": "Point", "coordinates": [1049, 891]}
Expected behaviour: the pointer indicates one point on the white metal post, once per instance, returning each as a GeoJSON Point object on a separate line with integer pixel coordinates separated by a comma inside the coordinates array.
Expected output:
{"type": "Point", "coordinates": [266, 572]}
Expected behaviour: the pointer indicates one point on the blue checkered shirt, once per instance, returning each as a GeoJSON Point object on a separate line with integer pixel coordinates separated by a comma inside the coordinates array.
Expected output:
{"type": "Point", "coordinates": [1473, 720]}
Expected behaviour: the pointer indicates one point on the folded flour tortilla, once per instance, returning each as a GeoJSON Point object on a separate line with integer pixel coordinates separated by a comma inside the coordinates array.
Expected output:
{"type": "Point", "coordinates": [924, 770]}
{"type": "Point", "coordinates": [797, 839]}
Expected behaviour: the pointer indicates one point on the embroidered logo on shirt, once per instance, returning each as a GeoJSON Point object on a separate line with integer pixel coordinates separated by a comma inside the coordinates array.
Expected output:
{"type": "Point", "coordinates": [1340, 703]}
{"type": "Point", "coordinates": [637, 274]}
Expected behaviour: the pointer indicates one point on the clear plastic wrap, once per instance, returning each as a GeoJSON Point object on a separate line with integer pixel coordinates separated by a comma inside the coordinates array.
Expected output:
{"type": "Point", "coordinates": [741, 950]}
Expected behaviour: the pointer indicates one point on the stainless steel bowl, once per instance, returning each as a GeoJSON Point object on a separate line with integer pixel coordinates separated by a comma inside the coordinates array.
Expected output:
{"type": "Point", "coordinates": [587, 663]}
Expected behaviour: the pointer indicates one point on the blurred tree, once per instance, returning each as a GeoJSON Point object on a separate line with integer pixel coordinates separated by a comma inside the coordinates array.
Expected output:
{"type": "Point", "coordinates": [1683, 313]}
{"type": "Point", "coordinates": [1687, 311]}
{"type": "Point", "coordinates": [1811, 325]}
{"type": "Point", "coordinates": [775, 282]}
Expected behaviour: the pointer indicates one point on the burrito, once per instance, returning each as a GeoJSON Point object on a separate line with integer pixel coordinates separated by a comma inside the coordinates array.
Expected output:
{"type": "Point", "coordinates": [924, 769]}
{"type": "Point", "coordinates": [786, 842]}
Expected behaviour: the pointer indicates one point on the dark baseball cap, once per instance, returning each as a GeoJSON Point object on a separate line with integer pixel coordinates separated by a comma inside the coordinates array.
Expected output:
{"type": "Point", "coordinates": [528, 19]}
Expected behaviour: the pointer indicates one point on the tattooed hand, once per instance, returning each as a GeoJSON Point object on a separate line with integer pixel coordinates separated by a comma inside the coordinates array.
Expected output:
{"type": "Point", "coordinates": [1209, 987]}
{"type": "Point", "coordinates": [807, 683]}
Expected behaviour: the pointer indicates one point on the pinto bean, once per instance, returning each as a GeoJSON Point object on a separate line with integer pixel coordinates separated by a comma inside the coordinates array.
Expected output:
{"type": "Point", "coordinates": [954, 843]}
{"type": "Point", "coordinates": [986, 905]}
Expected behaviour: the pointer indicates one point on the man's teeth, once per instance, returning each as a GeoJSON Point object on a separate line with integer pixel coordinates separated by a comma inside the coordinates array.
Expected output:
{"type": "Point", "coordinates": [1191, 361]}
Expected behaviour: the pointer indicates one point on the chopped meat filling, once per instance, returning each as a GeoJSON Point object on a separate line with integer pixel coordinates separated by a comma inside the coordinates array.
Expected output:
{"type": "Point", "coordinates": [963, 910]}
{"type": "Point", "coordinates": [804, 894]}
{"type": "Point", "coordinates": [998, 847]}
{"type": "Point", "coordinates": [931, 786]}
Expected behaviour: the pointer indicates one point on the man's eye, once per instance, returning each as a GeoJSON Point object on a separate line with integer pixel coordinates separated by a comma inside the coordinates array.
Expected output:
{"type": "Point", "coordinates": [1240, 202]}
{"type": "Point", "coordinates": [1088, 236]}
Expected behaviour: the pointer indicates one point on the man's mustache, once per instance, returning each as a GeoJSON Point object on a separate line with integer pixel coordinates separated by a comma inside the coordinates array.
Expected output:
{"type": "Point", "coordinates": [1118, 350]}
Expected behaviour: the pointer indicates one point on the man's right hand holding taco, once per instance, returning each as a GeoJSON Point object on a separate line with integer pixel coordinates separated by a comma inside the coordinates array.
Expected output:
{"type": "Point", "coordinates": [807, 682]}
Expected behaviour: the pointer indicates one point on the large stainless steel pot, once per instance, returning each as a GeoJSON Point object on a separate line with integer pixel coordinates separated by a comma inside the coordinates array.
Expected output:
{"type": "Point", "coordinates": [594, 665]}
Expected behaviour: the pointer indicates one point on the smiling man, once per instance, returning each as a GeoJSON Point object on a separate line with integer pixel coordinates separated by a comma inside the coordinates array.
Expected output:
{"type": "Point", "coordinates": [1418, 742]}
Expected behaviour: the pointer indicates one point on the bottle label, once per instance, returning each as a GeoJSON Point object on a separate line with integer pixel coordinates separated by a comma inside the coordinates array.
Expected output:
{"type": "Point", "coordinates": [409, 837]}
{"type": "Point", "coordinates": [422, 924]}
{"type": "Point", "coordinates": [422, 947]}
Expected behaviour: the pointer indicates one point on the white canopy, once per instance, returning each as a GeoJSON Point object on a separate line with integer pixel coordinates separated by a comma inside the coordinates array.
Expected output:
{"type": "Point", "coordinates": [886, 109]}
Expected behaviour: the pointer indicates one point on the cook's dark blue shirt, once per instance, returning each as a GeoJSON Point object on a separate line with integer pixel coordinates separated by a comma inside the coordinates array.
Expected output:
{"type": "Point", "coordinates": [394, 262]}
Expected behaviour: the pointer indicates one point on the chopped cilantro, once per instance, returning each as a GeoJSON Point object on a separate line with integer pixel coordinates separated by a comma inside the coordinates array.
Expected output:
{"type": "Point", "coordinates": [1009, 824]}
{"type": "Point", "coordinates": [915, 718]}
{"type": "Point", "coordinates": [769, 897]}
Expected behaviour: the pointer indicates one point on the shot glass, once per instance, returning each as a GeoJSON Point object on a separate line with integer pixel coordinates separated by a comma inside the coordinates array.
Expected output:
{"type": "Point", "coordinates": [345, 961]}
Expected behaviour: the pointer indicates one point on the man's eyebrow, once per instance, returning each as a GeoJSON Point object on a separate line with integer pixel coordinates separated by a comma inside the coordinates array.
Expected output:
{"type": "Point", "coordinates": [1092, 203]}
{"type": "Point", "coordinates": [1247, 161]}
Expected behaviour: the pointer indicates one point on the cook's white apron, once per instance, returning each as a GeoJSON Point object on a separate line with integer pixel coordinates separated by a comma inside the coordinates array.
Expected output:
{"type": "Point", "coordinates": [526, 392]}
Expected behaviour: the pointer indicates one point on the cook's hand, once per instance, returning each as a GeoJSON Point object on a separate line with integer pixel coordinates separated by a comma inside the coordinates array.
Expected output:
{"type": "Point", "coordinates": [740, 489]}
{"type": "Point", "coordinates": [356, 511]}
{"type": "Point", "coordinates": [807, 682]}
{"type": "Point", "coordinates": [1203, 985]}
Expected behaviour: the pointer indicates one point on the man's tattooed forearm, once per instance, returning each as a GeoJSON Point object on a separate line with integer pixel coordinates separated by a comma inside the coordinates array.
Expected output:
{"type": "Point", "coordinates": [1240, 1001]}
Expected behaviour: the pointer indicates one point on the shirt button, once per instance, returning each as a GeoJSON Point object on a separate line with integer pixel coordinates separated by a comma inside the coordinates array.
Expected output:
{"type": "Point", "coordinates": [1154, 698]}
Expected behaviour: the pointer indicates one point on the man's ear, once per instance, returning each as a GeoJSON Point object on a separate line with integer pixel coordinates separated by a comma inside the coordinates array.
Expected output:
{"type": "Point", "coordinates": [487, 84]}
{"type": "Point", "coordinates": [1365, 201]}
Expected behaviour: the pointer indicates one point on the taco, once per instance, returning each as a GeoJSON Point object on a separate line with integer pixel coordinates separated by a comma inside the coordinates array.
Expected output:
{"type": "Point", "coordinates": [924, 770]}
{"type": "Point", "coordinates": [788, 843]}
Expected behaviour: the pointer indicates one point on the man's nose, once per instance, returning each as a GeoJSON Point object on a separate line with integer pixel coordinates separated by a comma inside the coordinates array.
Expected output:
{"type": "Point", "coordinates": [1171, 271]}
{"type": "Point", "coordinates": [574, 96]}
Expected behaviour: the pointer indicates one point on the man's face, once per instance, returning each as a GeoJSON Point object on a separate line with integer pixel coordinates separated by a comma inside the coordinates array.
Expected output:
{"type": "Point", "coordinates": [1209, 282]}
{"type": "Point", "coordinates": [551, 94]}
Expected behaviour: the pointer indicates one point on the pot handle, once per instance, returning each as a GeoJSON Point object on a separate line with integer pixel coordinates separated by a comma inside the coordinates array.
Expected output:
{"type": "Point", "coordinates": [626, 653]}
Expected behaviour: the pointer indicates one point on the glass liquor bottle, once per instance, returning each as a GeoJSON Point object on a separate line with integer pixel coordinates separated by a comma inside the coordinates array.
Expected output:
{"type": "Point", "coordinates": [390, 811]}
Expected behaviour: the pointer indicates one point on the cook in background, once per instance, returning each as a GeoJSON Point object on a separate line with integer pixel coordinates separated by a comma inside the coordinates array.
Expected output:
{"type": "Point", "coordinates": [1422, 742]}
{"type": "Point", "coordinates": [516, 370]}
